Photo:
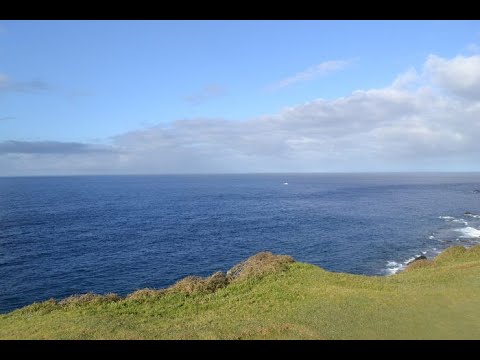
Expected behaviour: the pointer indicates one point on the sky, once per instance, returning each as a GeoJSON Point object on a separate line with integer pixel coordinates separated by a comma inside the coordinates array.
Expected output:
{"type": "Point", "coordinates": [173, 97]}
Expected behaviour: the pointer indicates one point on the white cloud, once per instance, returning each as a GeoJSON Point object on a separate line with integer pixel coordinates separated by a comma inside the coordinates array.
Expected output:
{"type": "Point", "coordinates": [460, 75]}
{"type": "Point", "coordinates": [409, 125]}
{"type": "Point", "coordinates": [324, 68]}
{"type": "Point", "coordinates": [406, 79]}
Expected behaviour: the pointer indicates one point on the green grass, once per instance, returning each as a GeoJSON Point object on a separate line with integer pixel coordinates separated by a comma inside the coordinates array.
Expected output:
{"type": "Point", "coordinates": [433, 300]}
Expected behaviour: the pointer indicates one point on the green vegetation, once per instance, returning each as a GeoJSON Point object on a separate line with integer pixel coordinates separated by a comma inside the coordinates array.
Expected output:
{"type": "Point", "coordinates": [272, 297]}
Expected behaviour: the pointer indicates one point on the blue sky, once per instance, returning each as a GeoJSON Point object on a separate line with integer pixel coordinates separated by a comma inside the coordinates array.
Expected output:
{"type": "Point", "coordinates": [183, 92]}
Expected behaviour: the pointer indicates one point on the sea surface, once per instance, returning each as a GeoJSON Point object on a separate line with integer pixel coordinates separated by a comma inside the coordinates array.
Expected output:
{"type": "Point", "coordinates": [67, 235]}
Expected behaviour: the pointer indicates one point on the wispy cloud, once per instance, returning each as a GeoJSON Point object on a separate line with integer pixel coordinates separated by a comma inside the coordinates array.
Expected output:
{"type": "Point", "coordinates": [207, 93]}
{"type": "Point", "coordinates": [7, 118]}
{"type": "Point", "coordinates": [322, 69]}
{"type": "Point", "coordinates": [31, 86]}
{"type": "Point", "coordinates": [49, 147]}
{"type": "Point", "coordinates": [473, 48]}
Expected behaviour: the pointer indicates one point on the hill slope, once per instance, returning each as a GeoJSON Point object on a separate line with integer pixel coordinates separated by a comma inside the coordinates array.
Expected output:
{"type": "Point", "coordinates": [272, 297]}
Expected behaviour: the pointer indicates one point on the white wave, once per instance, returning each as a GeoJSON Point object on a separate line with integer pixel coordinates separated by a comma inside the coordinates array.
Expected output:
{"type": "Point", "coordinates": [473, 215]}
{"type": "Point", "coordinates": [462, 221]}
{"type": "Point", "coordinates": [469, 232]}
{"type": "Point", "coordinates": [431, 237]}
{"type": "Point", "coordinates": [393, 267]}
{"type": "Point", "coordinates": [410, 259]}
{"type": "Point", "coordinates": [446, 217]}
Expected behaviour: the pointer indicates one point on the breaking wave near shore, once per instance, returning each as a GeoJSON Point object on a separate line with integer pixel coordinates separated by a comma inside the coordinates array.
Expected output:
{"type": "Point", "coordinates": [461, 229]}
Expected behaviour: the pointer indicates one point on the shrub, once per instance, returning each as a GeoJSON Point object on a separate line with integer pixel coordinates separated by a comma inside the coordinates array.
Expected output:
{"type": "Point", "coordinates": [258, 266]}
{"type": "Point", "coordinates": [42, 307]}
{"type": "Point", "coordinates": [196, 284]}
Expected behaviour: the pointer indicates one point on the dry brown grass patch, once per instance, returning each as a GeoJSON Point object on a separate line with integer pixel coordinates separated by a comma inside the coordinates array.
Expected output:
{"type": "Point", "coordinates": [259, 265]}
{"type": "Point", "coordinates": [89, 298]}
{"type": "Point", "coordinates": [198, 285]}
{"type": "Point", "coordinates": [420, 264]}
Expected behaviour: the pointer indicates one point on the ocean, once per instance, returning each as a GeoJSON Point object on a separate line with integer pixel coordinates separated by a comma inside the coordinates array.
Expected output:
{"type": "Point", "coordinates": [68, 235]}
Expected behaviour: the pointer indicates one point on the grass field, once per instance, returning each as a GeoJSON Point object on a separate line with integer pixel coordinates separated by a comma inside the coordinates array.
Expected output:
{"type": "Point", "coordinates": [274, 298]}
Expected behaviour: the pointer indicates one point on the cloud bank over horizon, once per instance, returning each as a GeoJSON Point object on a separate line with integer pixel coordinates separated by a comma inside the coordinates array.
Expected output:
{"type": "Point", "coordinates": [424, 120]}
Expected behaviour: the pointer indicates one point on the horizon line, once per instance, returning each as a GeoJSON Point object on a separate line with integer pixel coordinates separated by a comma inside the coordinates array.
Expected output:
{"type": "Point", "coordinates": [255, 173]}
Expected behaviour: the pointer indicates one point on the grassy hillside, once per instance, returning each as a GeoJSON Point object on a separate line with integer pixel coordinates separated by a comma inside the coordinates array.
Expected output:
{"type": "Point", "coordinates": [271, 297]}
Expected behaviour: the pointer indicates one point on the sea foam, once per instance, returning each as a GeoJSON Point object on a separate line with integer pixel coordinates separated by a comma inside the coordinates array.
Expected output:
{"type": "Point", "coordinates": [446, 217]}
{"type": "Point", "coordinates": [469, 232]}
{"type": "Point", "coordinates": [393, 267]}
{"type": "Point", "coordinates": [473, 215]}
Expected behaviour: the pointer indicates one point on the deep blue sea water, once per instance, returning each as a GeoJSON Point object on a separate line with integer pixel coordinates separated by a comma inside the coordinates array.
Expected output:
{"type": "Point", "coordinates": [66, 235]}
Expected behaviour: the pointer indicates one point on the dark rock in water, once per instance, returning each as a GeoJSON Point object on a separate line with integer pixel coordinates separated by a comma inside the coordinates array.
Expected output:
{"type": "Point", "coordinates": [421, 257]}
{"type": "Point", "coordinates": [476, 191]}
